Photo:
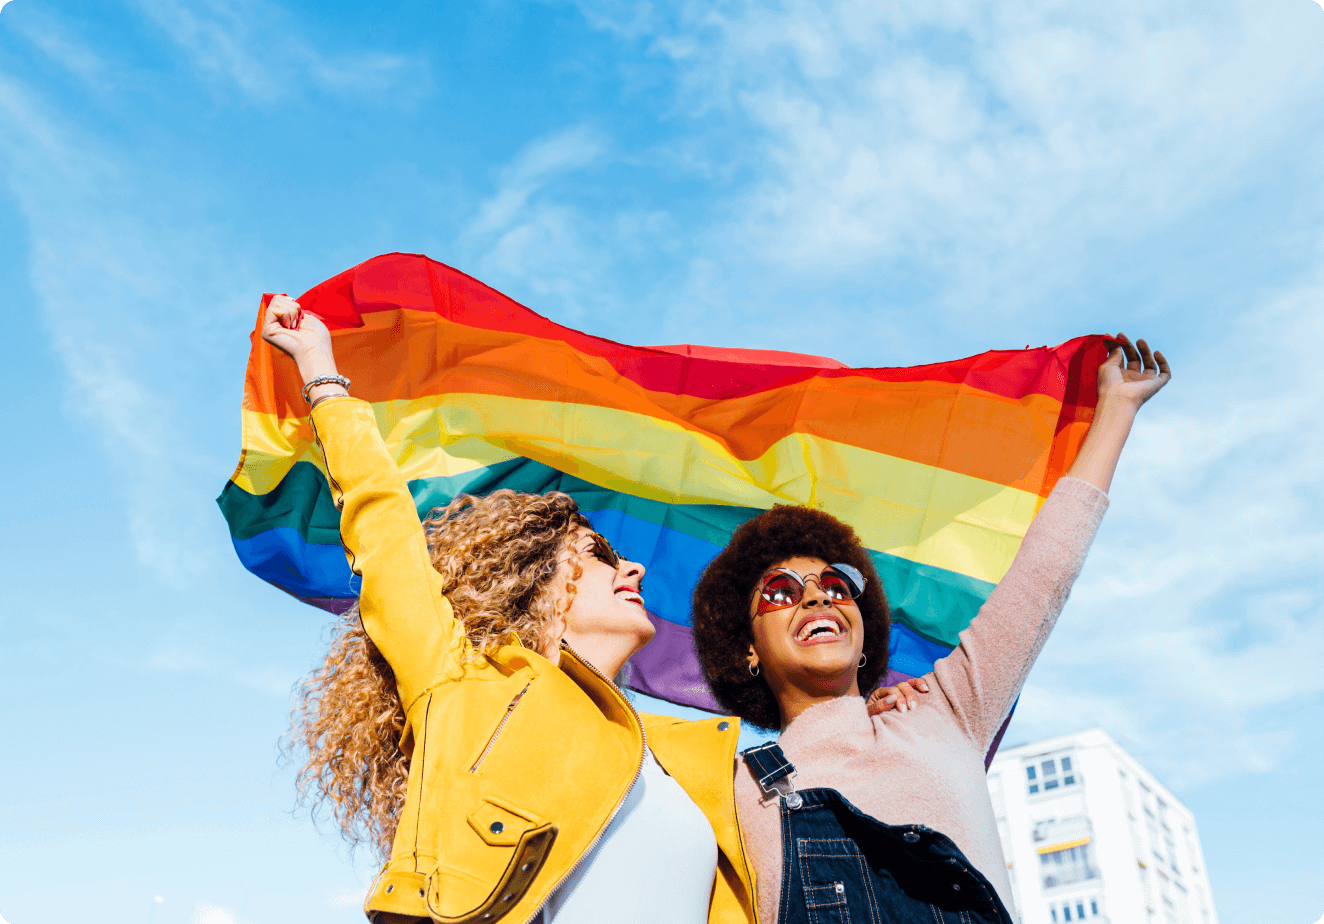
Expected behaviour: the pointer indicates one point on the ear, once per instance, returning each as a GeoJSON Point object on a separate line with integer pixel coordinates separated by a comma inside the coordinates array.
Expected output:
{"type": "Point", "coordinates": [753, 659]}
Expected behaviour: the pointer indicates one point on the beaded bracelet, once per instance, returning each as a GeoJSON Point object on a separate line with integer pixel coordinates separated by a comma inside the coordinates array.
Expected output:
{"type": "Point", "coordinates": [325, 380]}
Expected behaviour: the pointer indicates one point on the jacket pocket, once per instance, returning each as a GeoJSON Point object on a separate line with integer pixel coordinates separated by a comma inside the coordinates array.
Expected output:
{"type": "Point", "coordinates": [500, 824]}
{"type": "Point", "coordinates": [491, 742]}
{"type": "Point", "coordinates": [481, 885]}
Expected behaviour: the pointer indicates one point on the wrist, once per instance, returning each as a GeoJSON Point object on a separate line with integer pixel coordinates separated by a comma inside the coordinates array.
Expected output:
{"type": "Point", "coordinates": [1115, 406]}
{"type": "Point", "coordinates": [314, 364]}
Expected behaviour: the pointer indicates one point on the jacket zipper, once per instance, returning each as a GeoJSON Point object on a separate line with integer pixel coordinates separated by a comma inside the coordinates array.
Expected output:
{"type": "Point", "coordinates": [491, 742]}
{"type": "Point", "coordinates": [740, 839]}
{"type": "Point", "coordinates": [614, 812]}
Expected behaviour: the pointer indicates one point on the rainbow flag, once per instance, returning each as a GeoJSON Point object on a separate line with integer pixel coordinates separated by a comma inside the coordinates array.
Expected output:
{"type": "Point", "coordinates": [667, 450]}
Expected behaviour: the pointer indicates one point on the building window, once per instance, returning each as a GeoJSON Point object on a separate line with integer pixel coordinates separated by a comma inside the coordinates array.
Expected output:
{"type": "Point", "coordinates": [1034, 788]}
{"type": "Point", "coordinates": [1049, 768]}
{"type": "Point", "coordinates": [1029, 771]}
{"type": "Point", "coordinates": [1080, 910]}
{"type": "Point", "coordinates": [1066, 912]}
{"type": "Point", "coordinates": [1063, 867]}
{"type": "Point", "coordinates": [1094, 906]}
{"type": "Point", "coordinates": [1066, 764]}
{"type": "Point", "coordinates": [1053, 911]}
{"type": "Point", "coordinates": [1068, 780]}
{"type": "Point", "coordinates": [1050, 784]}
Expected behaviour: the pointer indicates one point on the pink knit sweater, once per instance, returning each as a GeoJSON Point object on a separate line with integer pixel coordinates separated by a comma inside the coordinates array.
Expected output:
{"type": "Point", "coordinates": [927, 766]}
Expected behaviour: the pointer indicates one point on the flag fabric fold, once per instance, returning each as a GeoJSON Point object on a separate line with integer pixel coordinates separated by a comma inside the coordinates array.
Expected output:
{"type": "Point", "coordinates": [940, 468]}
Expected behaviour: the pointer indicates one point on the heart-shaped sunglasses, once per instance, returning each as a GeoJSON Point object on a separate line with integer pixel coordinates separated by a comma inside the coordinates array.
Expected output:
{"type": "Point", "coordinates": [783, 588]}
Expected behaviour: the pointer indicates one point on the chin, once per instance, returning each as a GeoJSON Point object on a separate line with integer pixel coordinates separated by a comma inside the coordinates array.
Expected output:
{"type": "Point", "coordinates": [830, 664]}
{"type": "Point", "coordinates": [641, 625]}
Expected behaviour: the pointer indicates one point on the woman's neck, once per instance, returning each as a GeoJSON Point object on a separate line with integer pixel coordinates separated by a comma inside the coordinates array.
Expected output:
{"type": "Point", "coordinates": [607, 654]}
{"type": "Point", "coordinates": [793, 700]}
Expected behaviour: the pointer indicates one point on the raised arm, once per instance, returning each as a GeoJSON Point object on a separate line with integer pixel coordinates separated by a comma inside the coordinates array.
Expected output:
{"type": "Point", "coordinates": [401, 603]}
{"type": "Point", "coordinates": [983, 676]}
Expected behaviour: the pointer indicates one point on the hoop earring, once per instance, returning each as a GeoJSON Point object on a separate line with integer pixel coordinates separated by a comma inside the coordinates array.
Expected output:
{"type": "Point", "coordinates": [864, 659]}
{"type": "Point", "coordinates": [753, 670]}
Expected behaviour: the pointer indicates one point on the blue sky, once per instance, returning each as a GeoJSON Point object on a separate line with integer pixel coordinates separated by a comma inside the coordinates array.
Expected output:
{"type": "Point", "coordinates": [885, 183]}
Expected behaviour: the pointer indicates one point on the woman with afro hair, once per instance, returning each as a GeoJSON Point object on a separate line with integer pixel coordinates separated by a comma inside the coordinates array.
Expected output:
{"type": "Point", "coordinates": [857, 813]}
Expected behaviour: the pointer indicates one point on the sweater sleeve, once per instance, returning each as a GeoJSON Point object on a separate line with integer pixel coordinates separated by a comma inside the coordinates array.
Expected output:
{"type": "Point", "coordinates": [401, 603]}
{"type": "Point", "coordinates": [983, 676]}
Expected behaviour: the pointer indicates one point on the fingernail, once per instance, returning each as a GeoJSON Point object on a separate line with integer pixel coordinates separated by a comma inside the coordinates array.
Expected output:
{"type": "Point", "coordinates": [889, 699]}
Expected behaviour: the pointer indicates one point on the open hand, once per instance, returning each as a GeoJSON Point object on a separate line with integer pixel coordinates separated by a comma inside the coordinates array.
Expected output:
{"type": "Point", "coordinates": [1132, 373]}
{"type": "Point", "coordinates": [902, 697]}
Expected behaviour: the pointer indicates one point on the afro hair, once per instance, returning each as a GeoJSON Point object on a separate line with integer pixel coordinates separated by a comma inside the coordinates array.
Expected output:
{"type": "Point", "coordinates": [722, 627]}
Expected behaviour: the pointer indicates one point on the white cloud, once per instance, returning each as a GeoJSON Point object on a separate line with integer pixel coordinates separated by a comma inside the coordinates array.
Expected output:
{"type": "Point", "coordinates": [257, 47]}
{"type": "Point", "coordinates": [60, 44]}
{"type": "Point", "coordinates": [986, 151]}
{"type": "Point", "coordinates": [206, 913]}
{"type": "Point", "coordinates": [529, 235]}
{"type": "Point", "coordinates": [540, 162]}
{"type": "Point", "coordinates": [182, 658]}
{"type": "Point", "coordinates": [347, 898]}
{"type": "Point", "coordinates": [128, 300]}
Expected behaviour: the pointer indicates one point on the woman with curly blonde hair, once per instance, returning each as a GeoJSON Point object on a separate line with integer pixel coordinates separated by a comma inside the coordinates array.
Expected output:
{"type": "Point", "coordinates": [465, 723]}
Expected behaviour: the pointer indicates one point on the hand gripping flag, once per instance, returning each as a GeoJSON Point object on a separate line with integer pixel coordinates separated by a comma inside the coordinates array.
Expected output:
{"type": "Point", "coordinates": [667, 450]}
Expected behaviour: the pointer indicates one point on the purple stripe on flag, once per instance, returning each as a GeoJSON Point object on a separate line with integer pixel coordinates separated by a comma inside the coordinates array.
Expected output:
{"type": "Point", "coordinates": [337, 605]}
{"type": "Point", "coordinates": [891, 679]}
{"type": "Point", "coordinates": [668, 668]}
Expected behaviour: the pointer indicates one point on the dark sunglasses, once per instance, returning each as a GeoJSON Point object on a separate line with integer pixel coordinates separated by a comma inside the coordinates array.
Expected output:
{"type": "Point", "coordinates": [603, 551]}
{"type": "Point", "coordinates": [785, 588]}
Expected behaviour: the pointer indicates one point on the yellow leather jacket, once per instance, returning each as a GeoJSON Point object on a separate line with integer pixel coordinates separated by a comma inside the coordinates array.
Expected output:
{"type": "Point", "coordinates": [517, 765]}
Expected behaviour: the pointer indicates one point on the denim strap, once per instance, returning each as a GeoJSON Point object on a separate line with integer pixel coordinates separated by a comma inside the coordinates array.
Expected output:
{"type": "Point", "coordinates": [773, 772]}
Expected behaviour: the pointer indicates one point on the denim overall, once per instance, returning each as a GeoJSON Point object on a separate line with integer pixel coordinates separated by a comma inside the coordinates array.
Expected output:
{"type": "Point", "coordinates": [839, 865]}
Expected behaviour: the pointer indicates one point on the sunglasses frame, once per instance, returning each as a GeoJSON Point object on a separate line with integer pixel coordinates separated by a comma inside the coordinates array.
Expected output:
{"type": "Point", "coordinates": [855, 581]}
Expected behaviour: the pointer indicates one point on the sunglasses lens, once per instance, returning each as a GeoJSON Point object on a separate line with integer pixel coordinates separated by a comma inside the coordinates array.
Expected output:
{"type": "Point", "coordinates": [836, 586]}
{"type": "Point", "coordinates": [603, 551]}
{"type": "Point", "coordinates": [855, 581]}
{"type": "Point", "coordinates": [782, 590]}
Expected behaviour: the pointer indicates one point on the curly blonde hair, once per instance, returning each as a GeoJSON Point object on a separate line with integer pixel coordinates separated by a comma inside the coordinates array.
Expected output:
{"type": "Point", "coordinates": [497, 556]}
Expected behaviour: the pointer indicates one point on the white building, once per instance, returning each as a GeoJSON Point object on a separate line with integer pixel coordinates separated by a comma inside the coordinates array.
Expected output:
{"type": "Point", "coordinates": [1089, 835]}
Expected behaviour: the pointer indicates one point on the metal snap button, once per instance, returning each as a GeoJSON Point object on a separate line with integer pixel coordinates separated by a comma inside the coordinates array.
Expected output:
{"type": "Point", "coordinates": [496, 827]}
{"type": "Point", "coordinates": [794, 800]}
{"type": "Point", "coordinates": [956, 887]}
{"type": "Point", "coordinates": [421, 893]}
{"type": "Point", "coordinates": [840, 887]}
{"type": "Point", "coordinates": [910, 837]}
{"type": "Point", "coordinates": [723, 726]}
{"type": "Point", "coordinates": [510, 897]}
{"type": "Point", "coordinates": [390, 888]}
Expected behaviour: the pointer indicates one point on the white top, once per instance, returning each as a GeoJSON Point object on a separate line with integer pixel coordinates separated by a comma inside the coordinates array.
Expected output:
{"type": "Point", "coordinates": [655, 864]}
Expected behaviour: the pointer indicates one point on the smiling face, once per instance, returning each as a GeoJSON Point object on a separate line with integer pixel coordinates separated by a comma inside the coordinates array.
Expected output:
{"type": "Point", "coordinates": [608, 606]}
{"type": "Point", "coordinates": [812, 647]}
